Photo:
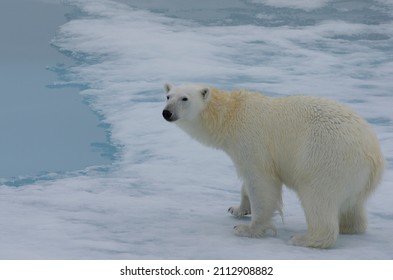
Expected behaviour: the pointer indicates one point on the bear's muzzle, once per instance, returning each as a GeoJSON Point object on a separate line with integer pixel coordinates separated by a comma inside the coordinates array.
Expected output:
{"type": "Point", "coordinates": [167, 115]}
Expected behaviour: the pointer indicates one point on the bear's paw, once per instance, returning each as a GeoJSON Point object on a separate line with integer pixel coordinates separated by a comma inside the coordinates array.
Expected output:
{"type": "Point", "coordinates": [254, 232]}
{"type": "Point", "coordinates": [307, 241]}
{"type": "Point", "coordinates": [238, 211]}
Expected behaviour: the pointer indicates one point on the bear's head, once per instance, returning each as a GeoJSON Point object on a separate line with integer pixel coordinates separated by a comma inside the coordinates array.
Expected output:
{"type": "Point", "coordinates": [185, 102]}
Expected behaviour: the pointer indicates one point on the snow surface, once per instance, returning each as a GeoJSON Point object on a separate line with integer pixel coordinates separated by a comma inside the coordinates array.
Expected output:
{"type": "Point", "coordinates": [166, 196]}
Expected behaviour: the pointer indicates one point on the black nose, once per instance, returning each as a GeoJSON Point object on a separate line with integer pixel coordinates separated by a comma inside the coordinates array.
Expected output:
{"type": "Point", "coordinates": [167, 115]}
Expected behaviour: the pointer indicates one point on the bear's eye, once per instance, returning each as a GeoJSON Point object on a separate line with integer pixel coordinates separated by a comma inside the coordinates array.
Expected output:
{"type": "Point", "coordinates": [167, 98]}
{"type": "Point", "coordinates": [184, 99]}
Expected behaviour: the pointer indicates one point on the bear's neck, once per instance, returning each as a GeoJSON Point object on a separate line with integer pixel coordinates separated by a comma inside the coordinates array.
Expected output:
{"type": "Point", "coordinates": [217, 123]}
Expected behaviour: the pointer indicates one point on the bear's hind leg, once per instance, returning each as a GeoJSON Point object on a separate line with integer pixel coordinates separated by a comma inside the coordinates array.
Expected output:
{"type": "Point", "coordinates": [353, 218]}
{"type": "Point", "coordinates": [244, 208]}
{"type": "Point", "coordinates": [323, 224]}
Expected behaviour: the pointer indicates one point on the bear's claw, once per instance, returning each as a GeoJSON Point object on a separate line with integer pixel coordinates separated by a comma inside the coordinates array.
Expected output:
{"type": "Point", "coordinates": [252, 231]}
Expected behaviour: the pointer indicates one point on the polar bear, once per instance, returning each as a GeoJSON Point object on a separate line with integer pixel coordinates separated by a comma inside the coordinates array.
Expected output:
{"type": "Point", "coordinates": [321, 149]}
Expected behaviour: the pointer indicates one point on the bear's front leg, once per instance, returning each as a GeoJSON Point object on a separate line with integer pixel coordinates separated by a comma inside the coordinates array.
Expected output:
{"type": "Point", "coordinates": [265, 197]}
{"type": "Point", "coordinates": [244, 208]}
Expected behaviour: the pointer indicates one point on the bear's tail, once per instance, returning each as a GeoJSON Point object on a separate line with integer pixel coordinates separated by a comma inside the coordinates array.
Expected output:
{"type": "Point", "coordinates": [377, 169]}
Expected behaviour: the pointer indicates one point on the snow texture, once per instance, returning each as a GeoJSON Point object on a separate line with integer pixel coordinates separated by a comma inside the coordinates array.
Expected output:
{"type": "Point", "coordinates": [166, 196]}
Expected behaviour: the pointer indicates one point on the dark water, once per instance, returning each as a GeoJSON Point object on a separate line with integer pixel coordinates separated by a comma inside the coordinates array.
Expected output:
{"type": "Point", "coordinates": [42, 128]}
{"type": "Point", "coordinates": [243, 12]}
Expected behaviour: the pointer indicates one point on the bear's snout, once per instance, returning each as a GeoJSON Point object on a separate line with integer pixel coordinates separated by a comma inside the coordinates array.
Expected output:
{"type": "Point", "coordinates": [167, 115]}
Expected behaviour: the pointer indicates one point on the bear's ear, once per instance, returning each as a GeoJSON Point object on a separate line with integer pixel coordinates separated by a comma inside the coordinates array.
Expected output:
{"type": "Point", "coordinates": [167, 87]}
{"type": "Point", "coordinates": [205, 93]}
